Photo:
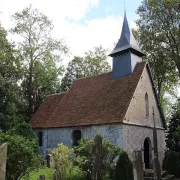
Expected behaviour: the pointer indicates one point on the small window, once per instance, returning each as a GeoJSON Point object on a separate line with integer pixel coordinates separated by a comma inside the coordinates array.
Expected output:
{"type": "Point", "coordinates": [146, 104]}
{"type": "Point", "coordinates": [40, 138]}
{"type": "Point", "coordinates": [76, 137]}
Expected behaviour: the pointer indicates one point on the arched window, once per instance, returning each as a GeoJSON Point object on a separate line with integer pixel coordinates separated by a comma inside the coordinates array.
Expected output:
{"type": "Point", "coordinates": [40, 138]}
{"type": "Point", "coordinates": [146, 104]}
{"type": "Point", "coordinates": [76, 137]}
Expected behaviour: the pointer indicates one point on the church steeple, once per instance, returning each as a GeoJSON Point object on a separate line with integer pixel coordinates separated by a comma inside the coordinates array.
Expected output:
{"type": "Point", "coordinates": [127, 41]}
{"type": "Point", "coordinates": [126, 52]}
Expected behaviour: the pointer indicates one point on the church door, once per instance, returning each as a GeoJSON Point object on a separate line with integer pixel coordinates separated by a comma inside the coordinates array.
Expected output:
{"type": "Point", "coordinates": [147, 153]}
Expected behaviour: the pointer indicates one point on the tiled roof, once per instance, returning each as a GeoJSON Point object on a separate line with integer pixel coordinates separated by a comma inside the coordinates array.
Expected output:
{"type": "Point", "coordinates": [91, 101]}
{"type": "Point", "coordinates": [40, 118]}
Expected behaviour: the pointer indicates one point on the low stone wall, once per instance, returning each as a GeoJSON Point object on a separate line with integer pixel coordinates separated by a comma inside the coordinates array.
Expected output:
{"type": "Point", "coordinates": [3, 158]}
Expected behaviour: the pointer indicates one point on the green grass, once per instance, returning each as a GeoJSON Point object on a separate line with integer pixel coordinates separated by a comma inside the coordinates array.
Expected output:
{"type": "Point", "coordinates": [34, 175]}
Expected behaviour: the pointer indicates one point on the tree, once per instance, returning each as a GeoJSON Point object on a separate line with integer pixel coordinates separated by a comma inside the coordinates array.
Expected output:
{"type": "Point", "coordinates": [39, 52]}
{"type": "Point", "coordinates": [94, 63]}
{"type": "Point", "coordinates": [124, 168]}
{"type": "Point", "coordinates": [22, 129]}
{"type": "Point", "coordinates": [161, 17]}
{"type": "Point", "coordinates": [10, 73]}
{"type": "Point", "coordinates": [22, 154]}
{"type": "Point", "coordinates": [158, 34]}
{"type": "Point", "coordinates": [173, 132]}
{"type": "Point", "coordinates": [85, 155]}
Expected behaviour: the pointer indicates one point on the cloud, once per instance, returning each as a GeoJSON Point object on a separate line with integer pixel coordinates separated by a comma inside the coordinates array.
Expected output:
{"type": "Point", "coordinates": [95, 32]}
{"type": "Point", "coordinates": [68, 17]}
{"type": "Point", "coordinates": [55, 9]}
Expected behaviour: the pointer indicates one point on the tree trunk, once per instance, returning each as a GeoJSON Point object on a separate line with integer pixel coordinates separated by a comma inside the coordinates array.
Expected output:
{"type": "Point", "coordinates": [30, 111]}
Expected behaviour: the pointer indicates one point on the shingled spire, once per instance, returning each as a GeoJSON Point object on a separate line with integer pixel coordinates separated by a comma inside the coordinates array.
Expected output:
{"type": "Point", "coordinates": [126, 53]}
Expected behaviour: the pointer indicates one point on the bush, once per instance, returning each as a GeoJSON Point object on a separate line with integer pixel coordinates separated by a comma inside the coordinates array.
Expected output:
{"type": "Point", "coordinates": [22, 154]}
{"type": "Point", "coordinates": [124, 168]}
{"type": "Point", "coordinates": [23, 129]}
{"type": "Point", "coordinates": [84, 158]}
{"type": "Point", "coordinates": [171, 163]}
{"type": "Point", "coordinates": [63, 159]}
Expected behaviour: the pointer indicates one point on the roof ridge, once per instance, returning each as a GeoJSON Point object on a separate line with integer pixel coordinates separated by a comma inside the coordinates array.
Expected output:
{"type": "Point", "coordinates": [93, 76]}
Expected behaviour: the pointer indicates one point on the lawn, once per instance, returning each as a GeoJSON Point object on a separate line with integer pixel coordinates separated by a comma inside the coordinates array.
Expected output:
{"type": "Point", "coordinates": [48, 172]}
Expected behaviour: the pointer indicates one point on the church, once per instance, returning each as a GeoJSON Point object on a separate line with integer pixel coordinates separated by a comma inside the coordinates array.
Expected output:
{"type": "Point", "coordinates": [121, 105]}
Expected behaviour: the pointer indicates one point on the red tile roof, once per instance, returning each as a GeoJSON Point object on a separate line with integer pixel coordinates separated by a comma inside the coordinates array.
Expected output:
{"type": "Point", "coordinates": [91, 101]}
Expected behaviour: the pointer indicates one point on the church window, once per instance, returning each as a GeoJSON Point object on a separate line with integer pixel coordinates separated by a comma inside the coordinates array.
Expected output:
{"type": "Point", "coordinates": [40, 138]}
{"type": "Point", "coordinates": [146, 104]}
{"type": "Point", "coordinates": [76, 137]}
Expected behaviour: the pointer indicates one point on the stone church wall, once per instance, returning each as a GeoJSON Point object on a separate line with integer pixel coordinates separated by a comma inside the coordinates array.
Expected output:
{"type": "Point", "coordinates": [135, 137]}
{"type": "Point", "coordinates": [54, 136]}
{"type": "Point", "coordinates": [137, 111]}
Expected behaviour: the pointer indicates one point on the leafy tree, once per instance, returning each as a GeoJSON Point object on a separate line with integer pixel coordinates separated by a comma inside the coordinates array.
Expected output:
{"type": "Point", "coordinates": [94, 63]}
{"type": "Point", "coordinates": [171, 163]}
{"type": "Point", "coordinates": [173, 132]}
{"type": "Point", "coordinates": [22, 154]}
{"type": "Point", "coordinates": [10, 73]}
{"type": "Point", "coordinates": [39, 52]}
{"type": "Point", "coordinates": [124, 168]}
{"type": "Point", "coordinates": [22, 129]}
{"type": "Point", "coordinates": [159, 35]}
{"type": "Point", "coordinates": [84, 156]}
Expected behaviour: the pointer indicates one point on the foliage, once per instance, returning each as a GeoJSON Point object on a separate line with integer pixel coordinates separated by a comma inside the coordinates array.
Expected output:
{"type": "Point", "coordinates": [84, 157]}
{"type": "Point", "coordinates": [23, 129]}
{"type": "Point", "coordinates": [173, 132]}
{"type": "Point", "coordinates": [10, 72]}
{"type": "Point", "coordinates": [124, 168]}
{"type": "Point", "coordinates": [48, 172]}
{"type": "Point", "coordinates": [39, 52]}
{"type": "Point", "coordinates": [158, 24]}
{"type": "Point", "coordinates": [94, 63]}
{"type": "Point", "coordinates": [171, 163]}
{"type": "Point", "coordinates": [63, 160]}
{"type": "Point", "coordinates": [22, 154]}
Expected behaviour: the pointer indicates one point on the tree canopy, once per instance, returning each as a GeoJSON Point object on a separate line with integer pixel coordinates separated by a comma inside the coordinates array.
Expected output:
{"type": "Point", "coordinates": [159, 36]}
{"type": "Point", "coordinates": [10, 73]}
{"type": "Point", "coordinates": [39, 53]}
{"type": "Point", "coordinates": [94, 63]}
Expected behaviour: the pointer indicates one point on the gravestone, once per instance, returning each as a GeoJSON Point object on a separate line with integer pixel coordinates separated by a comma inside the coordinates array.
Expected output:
{"type": "Point", "coordinates": [42, 177]}
{"type": "Point", "coordinates": [138, 166]}
{"type": "Point", "coordinates": [3, 158]}
{"type": "Point", "coordinates": [97, 158]}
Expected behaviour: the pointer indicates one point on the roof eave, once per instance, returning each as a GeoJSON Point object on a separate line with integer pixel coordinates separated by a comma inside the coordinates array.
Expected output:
{"type": "Point", "coordinates": [133, 50]}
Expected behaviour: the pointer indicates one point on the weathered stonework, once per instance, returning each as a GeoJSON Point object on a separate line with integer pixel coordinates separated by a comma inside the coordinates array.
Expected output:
{"type": "Point", "coordinates": [3, 158]}
{"type": "Point", "coordinates": [136, 111]}
{"type": "Point", "coordinates": [54, 136]}
{"type": "Point", "coordinates": [135, 137]}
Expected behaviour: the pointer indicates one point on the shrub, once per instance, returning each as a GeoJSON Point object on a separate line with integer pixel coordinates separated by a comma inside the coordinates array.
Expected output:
{"type": "Point", "coordinates": [124, 168]}
{"type": "Point", "coordinates": [22, 154]}
{"type": "Point", "coordinates": [171, 163]}
{"type": "Point", "coordinates": [63, 159]}
{"type": "Point", "coordinates": [23, 129]}
{"type": "Point", "coordinates": [84, 158]}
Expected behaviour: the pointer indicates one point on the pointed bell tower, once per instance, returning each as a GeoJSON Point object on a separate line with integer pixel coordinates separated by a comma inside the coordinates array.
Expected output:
{"type": "Point", "coordinates": [126, 53]}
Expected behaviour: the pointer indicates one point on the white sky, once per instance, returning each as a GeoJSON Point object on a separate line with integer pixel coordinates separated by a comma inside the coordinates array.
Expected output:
{"type": "Point", "coordinates": [68, 17]}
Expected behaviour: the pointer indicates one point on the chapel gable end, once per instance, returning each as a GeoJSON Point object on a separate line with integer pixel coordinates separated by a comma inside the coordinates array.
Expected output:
{"type": "Point", "coordinates": [144, 106]}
